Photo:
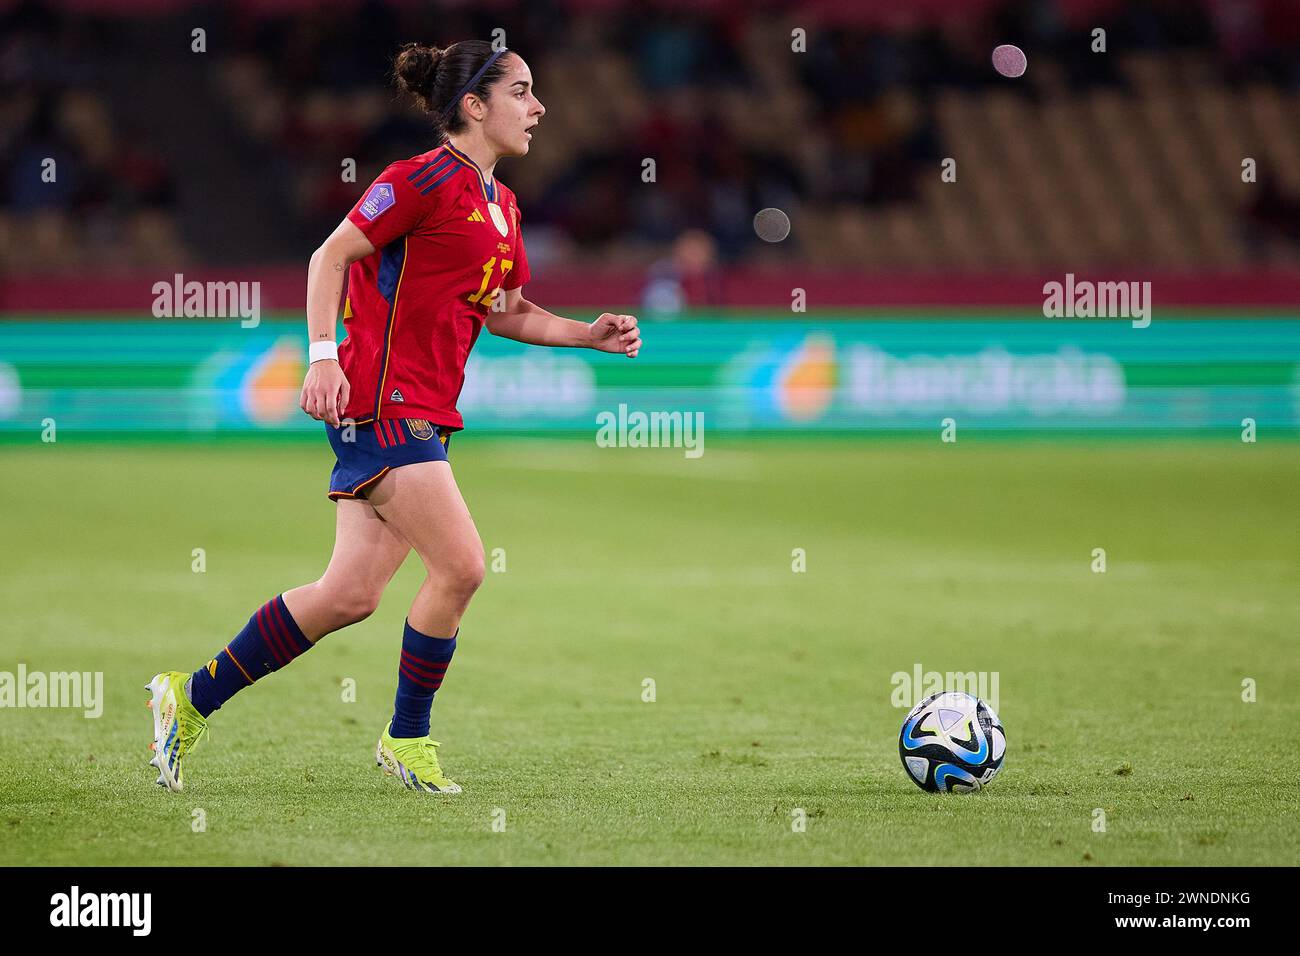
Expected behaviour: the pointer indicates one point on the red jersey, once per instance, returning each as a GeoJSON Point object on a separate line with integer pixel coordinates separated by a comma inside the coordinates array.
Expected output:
{"type": "Point", "coordinates": [446, 243]}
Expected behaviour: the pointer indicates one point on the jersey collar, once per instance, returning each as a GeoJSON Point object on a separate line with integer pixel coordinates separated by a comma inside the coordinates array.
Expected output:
{"type": "Point", "coordinates": [489, 187]}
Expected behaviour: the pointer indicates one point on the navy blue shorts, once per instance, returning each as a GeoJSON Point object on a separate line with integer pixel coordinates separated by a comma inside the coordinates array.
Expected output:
{"type": "Point", "coordinates": [377, 448]}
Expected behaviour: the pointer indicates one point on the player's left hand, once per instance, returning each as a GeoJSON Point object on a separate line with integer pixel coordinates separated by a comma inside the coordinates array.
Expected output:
{"type": "Point", "coordinates": [615, 333]}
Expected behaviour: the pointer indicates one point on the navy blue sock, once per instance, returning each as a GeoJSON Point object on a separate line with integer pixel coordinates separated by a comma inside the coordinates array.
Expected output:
{"type": "Point", "coordinates": [269, 640]}
{"type": "Point", "coordinates": [419, 675]}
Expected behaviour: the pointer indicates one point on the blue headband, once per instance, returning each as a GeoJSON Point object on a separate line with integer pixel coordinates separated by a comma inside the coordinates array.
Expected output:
{"type": "Point", "coordinates": [451, 107]}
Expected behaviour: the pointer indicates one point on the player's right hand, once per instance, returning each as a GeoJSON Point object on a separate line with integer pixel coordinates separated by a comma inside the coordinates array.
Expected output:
{"type": "Point", "coordinates": [325, 392]}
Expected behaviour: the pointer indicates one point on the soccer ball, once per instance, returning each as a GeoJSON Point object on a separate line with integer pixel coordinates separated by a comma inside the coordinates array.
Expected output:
{"type": "Point", "coordinates": [952, 743]}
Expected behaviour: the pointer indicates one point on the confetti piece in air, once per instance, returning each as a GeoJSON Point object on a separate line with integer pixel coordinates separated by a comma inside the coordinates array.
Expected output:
{"type": "Point", "coordinates": [771, 224]}
{"type": "Point", "coordinates": [1010, 60]}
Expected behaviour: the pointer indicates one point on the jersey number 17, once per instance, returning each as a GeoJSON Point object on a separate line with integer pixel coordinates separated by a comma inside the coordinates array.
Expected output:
{"type": "Point", "coordinates": [488, 266]}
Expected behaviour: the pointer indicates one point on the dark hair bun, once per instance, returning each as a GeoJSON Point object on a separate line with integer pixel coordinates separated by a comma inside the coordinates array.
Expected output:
{"type": "Point", "coordinates": [415, 68]}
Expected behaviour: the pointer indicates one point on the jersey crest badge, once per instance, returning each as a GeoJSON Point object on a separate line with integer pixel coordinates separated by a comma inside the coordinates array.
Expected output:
{"type": "Point", "coordinates": [380, 198]}
{"type": "Point", "coordinates": [420, 428]}
{"type": "Point", "coordinates": [498, 218]}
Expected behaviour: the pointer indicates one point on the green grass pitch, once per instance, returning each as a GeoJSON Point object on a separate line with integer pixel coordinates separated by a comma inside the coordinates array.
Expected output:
{"type": "Point", "coordinates": [1120, 691]}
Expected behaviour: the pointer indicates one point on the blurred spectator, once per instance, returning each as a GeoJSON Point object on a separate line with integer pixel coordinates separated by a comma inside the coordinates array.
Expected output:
{"type": "Point", "coordinates": [689, 276]}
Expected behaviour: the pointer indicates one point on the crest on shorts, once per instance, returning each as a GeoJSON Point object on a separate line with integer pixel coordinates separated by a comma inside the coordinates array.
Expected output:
{"type": "Point", "coordinates": [498, 218]}
{"type": "Point", "coordinates": [420, 428]}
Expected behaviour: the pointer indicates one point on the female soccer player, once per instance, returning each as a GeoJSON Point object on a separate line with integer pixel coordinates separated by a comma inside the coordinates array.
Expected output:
{"type": "Point", "coordinates": [428, 249]}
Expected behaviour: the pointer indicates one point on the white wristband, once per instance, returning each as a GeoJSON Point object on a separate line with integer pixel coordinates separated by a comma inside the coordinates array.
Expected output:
{"type": "Point", "coordinates": [323, 350]}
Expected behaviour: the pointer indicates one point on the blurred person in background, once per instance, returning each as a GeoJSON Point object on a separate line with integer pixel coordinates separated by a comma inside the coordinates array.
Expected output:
{"type": "Point", "coordinates": [688, 276]}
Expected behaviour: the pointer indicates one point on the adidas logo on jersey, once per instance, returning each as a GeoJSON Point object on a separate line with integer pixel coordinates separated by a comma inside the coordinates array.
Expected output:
{"type": "Point", "coordinates": [396, 396]}
{"type": "Point", "coordinates": [475, 216]}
